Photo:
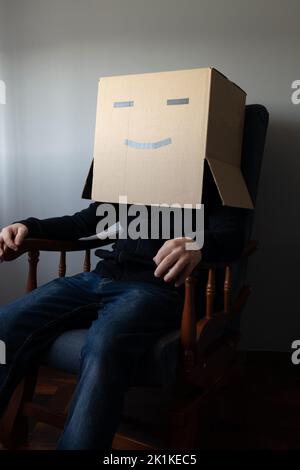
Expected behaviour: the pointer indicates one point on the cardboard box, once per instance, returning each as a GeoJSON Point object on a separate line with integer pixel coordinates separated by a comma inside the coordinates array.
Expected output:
{"type": "Point", "coordinates": [154, 132]}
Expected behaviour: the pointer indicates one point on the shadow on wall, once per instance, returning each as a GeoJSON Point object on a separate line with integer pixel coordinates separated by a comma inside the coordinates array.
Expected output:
{"type": "Point", "coordinates": [278, 197]}
{"type": "Point", "coordinates": [273, 270]}
{"type": "Point", "coordinates": [284, 137]}
{"type": "Point", "coordinates": [3, 155]}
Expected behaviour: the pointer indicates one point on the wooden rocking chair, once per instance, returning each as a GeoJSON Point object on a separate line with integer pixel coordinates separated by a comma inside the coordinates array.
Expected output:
{"type": "Point", "coordinates": [189, 363]}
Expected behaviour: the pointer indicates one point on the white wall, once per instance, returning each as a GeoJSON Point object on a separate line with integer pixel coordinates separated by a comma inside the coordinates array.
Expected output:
{"type": "Point", "coordinates": [3, 76]}
{"type": "Point", "coordinates": [11, 274]}
{"type": "Point", "coordinates": [58, 49]}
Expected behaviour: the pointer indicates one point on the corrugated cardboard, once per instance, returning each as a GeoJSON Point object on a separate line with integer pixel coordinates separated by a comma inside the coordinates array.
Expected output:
{"type": "Point", "coordinates": [155, 130]}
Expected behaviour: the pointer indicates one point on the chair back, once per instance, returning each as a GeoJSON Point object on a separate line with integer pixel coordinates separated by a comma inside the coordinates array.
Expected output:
{"type": "Point", "coordinates": [255, 131]}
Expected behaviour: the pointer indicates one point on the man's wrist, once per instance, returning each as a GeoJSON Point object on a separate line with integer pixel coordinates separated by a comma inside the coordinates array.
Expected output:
{"type": "Point", "coordinates": [25, 224]}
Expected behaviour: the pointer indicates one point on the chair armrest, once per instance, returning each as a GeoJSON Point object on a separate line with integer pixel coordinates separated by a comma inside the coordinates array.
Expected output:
{"type": "Point", "coordinates": [193, 331]}
{"type": "Point", "coordinates": [250, 248]}
{"type": "Point", "coordinates": [41, 244]}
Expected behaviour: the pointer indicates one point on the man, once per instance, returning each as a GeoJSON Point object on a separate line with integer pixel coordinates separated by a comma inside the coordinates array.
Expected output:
{"type": "Point", "coordinates": [133, 296]}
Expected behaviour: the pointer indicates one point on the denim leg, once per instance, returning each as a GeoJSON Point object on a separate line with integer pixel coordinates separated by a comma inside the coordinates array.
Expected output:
{"type": "Point", "coordinates": [132, 317]}
{"type": "Point", "coordinates": [30, 322]}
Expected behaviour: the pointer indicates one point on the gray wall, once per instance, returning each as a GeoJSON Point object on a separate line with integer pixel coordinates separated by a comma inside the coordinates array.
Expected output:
{"type": "Point", "coordinates": [58, 49]}
{"type": "Point", "coordinates": [3, 78]}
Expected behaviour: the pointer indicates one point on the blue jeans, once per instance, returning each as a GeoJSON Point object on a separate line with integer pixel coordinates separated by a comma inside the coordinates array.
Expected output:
{"type": "Point", "coordinates": [124, 319]}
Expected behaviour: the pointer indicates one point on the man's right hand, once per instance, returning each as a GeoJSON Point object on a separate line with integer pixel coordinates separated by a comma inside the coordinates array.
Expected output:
{"type": "Point", "coordinates": [12, 237]}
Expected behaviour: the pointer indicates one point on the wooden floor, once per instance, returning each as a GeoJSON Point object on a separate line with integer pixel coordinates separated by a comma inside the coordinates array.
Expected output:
{"type": "Point", "coordinates": [268, 417]}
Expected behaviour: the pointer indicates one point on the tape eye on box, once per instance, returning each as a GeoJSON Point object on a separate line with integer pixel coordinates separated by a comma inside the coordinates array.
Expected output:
{"type": "Point", "coordinates": [123, 104]}
{"type": "Point", "coordinates": [178, 101]}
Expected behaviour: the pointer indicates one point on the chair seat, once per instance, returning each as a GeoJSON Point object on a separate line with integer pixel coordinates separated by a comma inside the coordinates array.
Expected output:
{"type": "Point", "coordinates": [157, 367]}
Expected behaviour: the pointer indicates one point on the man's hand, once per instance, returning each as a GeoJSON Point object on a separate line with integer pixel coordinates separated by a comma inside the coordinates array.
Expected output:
{"type": "Point", "coordinates": [174, 262]}
{"type": "Point", "coordinates": [12, 237]}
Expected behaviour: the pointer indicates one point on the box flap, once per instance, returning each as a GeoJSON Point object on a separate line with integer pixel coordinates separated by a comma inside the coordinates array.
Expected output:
{"type": "Point", "coordinates": [231, 184]}
{"type": "Point", "coordinates": [87, 190]}
{"type": "Point", "coordinates": [224, 140]}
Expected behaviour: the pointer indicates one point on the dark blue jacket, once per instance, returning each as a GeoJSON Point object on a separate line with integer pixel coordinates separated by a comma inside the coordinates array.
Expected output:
{"type": "Point", "coordinates": [132, 259]}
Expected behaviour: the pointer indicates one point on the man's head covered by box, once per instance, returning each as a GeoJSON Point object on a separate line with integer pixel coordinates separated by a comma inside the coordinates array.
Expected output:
{"type": "Point", "coordinates": [154, 132]}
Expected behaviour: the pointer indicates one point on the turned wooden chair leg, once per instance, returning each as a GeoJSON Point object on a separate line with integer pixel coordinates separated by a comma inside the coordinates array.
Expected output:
{"type": "Point", "coordinates": [14, 425]}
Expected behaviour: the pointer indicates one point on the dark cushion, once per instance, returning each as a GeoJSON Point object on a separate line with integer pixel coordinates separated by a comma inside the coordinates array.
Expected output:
{"type": "Point", "coordinates": [157, 367]}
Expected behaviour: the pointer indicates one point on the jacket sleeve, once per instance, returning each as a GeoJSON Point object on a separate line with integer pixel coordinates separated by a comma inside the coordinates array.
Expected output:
{"type": "Point", "coordinates": [223, 234]}
{"type": "Point", "coordinates": [68, 227]}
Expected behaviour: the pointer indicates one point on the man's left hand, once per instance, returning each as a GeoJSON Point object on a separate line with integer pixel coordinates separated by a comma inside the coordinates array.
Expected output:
{"type": "Point", "coordinates": [174, 262]}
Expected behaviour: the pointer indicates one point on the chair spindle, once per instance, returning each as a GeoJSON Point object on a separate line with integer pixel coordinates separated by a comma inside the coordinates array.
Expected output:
{"type": "Point", "coordinates": [62, 264]}
{"type": "Point", "coordinates": [33, 259]}
{"type": "Point", "coordinates": [188, 326]}
{"type": "Point", "coordinates": [210, 292]}
{"type": "Point", "coordinates": [87, 261]}
{"type": "Point", "coordinates": [227, 289]}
